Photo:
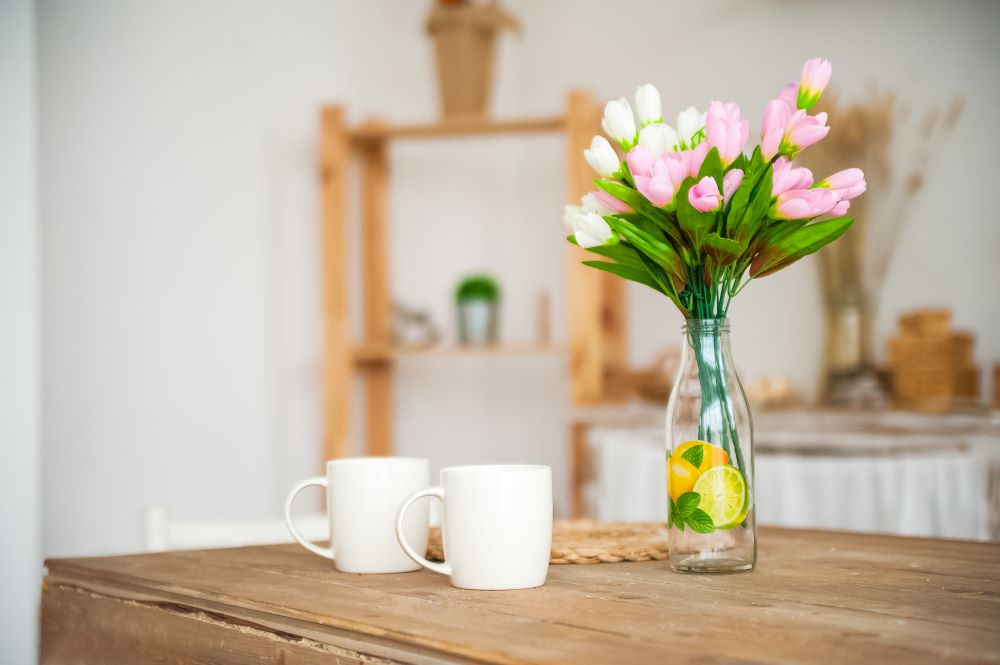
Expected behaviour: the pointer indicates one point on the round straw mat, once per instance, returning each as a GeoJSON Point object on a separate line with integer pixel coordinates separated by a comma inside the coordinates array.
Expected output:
{"type": "Point", "coordinates": [586, 541]}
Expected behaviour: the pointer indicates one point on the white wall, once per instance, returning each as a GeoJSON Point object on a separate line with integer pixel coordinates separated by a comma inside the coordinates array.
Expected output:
{"type": "Point", "coordinates": [20, 441]}
{"type": "Point", "coordinates": [179, 223]}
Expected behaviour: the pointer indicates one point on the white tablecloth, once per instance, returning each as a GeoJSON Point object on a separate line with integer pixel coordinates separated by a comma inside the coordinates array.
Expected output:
{"type": "Point", "coordinates": [902, 491]}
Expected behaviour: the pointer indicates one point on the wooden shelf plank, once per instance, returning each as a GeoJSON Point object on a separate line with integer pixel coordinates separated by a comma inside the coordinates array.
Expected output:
{"type": "Point", "coordinates": [380, 353]}
{"type": "Point", "coordinates": [452, 128]}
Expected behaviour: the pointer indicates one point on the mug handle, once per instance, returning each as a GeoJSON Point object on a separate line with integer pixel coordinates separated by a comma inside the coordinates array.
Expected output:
{"type": "Point", "coordinates": [443, 568]}
{"type": "Point", "coordinates": [320, 481]}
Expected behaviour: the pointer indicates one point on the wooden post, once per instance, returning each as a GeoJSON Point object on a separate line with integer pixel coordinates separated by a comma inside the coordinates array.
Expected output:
{"type": "Point", "coordinates": [376, 288]}
{"type": "Point", "coordinates": [598, 333]}
{"type": "Point", "coordinates": [584, 285]}
{"type": "Point", "coordinates": [337, 360]}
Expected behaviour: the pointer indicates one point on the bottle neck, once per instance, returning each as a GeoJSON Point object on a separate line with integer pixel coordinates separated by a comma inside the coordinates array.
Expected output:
{"type": "Point", "coordinates": [706, 328]}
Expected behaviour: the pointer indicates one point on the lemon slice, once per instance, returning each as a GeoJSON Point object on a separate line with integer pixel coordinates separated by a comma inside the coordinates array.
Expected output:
{"type": "Point", "coordinates": [681, 477]}
{"type": "Point", "coordinates": [724, 495]}
{"type": "Point", "coordinates": [710, 455]}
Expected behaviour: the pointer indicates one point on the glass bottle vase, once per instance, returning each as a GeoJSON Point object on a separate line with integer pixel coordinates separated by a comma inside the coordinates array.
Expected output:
{"type": "Point", "coordinates": [710, 478]}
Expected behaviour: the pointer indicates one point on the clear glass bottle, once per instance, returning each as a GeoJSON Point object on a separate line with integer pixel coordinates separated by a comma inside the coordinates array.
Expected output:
{"type": "Point", "coordinates": [710, 479]}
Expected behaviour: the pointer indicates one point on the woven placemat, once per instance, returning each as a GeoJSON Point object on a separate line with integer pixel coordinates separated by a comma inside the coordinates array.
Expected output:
{"type": "Point", "coordinates": [586, 541]}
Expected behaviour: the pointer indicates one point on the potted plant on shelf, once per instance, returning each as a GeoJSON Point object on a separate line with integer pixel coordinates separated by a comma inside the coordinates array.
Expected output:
{"type": "Point", "coordinates": [691, 216]}
{"type": "Point", "coordinates": [477, 299]}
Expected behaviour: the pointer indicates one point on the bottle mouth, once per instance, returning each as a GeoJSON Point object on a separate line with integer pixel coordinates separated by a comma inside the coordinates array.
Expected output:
{"type": "Point", "coordinates": [706, 326]}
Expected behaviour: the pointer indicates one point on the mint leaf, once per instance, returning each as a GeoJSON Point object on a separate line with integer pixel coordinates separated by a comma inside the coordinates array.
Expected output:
{"type": "Point", "coordinates": [700, 521]}
{"type": "Point", "coordinates": [694, 455]}
{"type": "Point", "coordinates": [687, 503]}
{"type": "Point", "coordinates": [671, 512]}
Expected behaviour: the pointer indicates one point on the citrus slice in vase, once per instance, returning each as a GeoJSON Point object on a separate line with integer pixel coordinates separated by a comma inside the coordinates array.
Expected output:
{"type": "Point", "coordinates": [701, 454]}
{"type": "Point", "coordinates": [724, 495]}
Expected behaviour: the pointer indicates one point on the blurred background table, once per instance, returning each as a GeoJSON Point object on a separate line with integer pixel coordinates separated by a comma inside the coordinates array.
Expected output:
{"type": "Point", "coordinates": [885, 471]}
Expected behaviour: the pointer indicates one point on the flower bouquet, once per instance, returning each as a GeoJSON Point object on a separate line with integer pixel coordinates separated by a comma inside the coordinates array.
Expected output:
{"type": "Point", "coordinates": [691, 216]}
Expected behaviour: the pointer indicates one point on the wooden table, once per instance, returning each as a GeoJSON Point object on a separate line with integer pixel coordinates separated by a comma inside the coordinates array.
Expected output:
{"type": "Point", "coordinates": [816, 597]}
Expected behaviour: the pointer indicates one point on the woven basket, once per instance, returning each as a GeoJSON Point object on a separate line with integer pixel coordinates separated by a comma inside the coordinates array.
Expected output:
{"type": "Point", "coordinates": [926, 322]}
{"type": "Point", "coordinates": [939, 352]}
{"type": "Point", "coordinates": [934, 391]}
{"type": "Point", "coordinates": [586, 542]}
{"type": "Point", "coordinates": [464, 45]}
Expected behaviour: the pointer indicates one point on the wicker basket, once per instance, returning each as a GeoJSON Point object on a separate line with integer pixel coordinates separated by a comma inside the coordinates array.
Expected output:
{"type": "Point", "coordinates": [932, 352]}
{"type": "Point", "coordinates": [464, 44]}
{"type": "Point", "coordinates": [996, 386]}
{"type": "Point", "coordinates": [932, 366]}
{"type": "Point", "coordinates": [926, 322]}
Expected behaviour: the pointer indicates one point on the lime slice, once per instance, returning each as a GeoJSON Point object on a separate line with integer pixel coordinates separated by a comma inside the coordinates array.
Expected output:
{"type": "Point", "coordinates": [724, 495]}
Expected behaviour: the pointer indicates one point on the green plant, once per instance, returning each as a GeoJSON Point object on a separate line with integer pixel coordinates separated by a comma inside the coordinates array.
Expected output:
{"type": "Point", "coordinates": [478, 287]}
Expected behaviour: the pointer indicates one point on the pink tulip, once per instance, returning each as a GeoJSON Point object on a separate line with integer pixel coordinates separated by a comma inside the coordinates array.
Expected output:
{"type": "Point", "coordinates": [705, 196]}
{"type": "Point", "coordinates": [726, 131]}
{"type": "Point", "coordinates": [678, 165]}
{"type": "Point", "coordinates": [611, 203]}
{"type": "Point", "coordinates": [804, 130]}
{"type": "Point", "coordinates": [788, 133]}
{"type": "Point", "coordinates": [776, 115]}
{"type": "Point", "coordinates": [786, 177]}
{"type": "Point", "coordinates": [840, 209]}
{"type": "Point", "coordinates": [790, 95]}
{"type": "Point", "coordinates": [640, 161]}
{"type": "Point", "coordinates": [657, 189]}
{"type": "Point", "coordinates": [848, 184]}
{"type": "Point", "coordinates": [730, 183]}
{"type": "Point", "coordinates": [695, 157]}
{"type": "Point", "coordinates": [657, 179]}
{"type": "Point", "coordinates": [803, 203]}
{"type": "Point", "coordinates": [815, 77]}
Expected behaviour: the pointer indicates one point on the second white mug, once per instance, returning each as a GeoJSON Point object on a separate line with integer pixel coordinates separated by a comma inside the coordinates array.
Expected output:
{"type": "Point", "coordinates": [496, 526]}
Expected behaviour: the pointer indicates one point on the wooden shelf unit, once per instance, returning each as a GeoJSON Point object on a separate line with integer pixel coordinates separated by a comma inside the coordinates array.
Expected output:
{"type": "Point", "coordinates": [597, 340]}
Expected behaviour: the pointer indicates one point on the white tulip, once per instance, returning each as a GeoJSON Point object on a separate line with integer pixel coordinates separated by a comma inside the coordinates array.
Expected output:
{"type": "Point", "coordinates": [590, 203]}
{"type": "Point", "coordinates": [689, 122]}
{"type": "Point", "coordinates": [658, 139]}
{"type": "Point", "coordinates": [569, 212]}
{"type": "Point", "coordinates": [618, 121]}
{"type": "Point", "coordinates": [591, 230]}
{"type": "Point", "coordinates": [602, 157]}
{"type": "Point", "coordinates": [647, 105]}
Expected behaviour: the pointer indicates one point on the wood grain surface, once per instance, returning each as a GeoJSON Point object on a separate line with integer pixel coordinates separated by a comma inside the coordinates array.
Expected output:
{"type": "Point", "coordinates": [816, 597]}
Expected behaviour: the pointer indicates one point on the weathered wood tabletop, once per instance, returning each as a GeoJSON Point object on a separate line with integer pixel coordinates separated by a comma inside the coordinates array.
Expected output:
{"type": "Point", "coordinates": [816, 597]}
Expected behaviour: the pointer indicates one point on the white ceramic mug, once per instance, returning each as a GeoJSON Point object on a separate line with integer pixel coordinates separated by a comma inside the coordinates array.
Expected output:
{"type": "Point", "coordinates": [496, 526]}
{"type": "Point", "coordinates": [363, 494]}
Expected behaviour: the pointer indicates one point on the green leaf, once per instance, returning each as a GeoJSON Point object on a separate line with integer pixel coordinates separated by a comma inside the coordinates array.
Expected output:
{"type": "Point", "coordinates": [738, 205]}
{"type": "Point", "coordinates": [694, 455]}
{"type": "Point", "coordinates": [687, 503]}
{"type": "Point", "coordinates": [756, 210]}
{"type": "Point", "coordinates": [722, 251]}
{"type": "Point", "coordinates": [620, 253]}
{"type": "Point", "coordinates": [790, 247]}
{"type": "Point", "coordinates": [633, 198]}
{"type": "Point", "coordinates": [695, 225]}
{"type": "Point", "coordinates": [671, 512]}
{"type": "Point", "coordinates": [756, 161]}
{"type": "Point", "coordinates": [640, 275]}
{"type": "Point", "coordinates": [712, 166]}
{"type": "Point", "coordinates": [739, 163]}
{"type": "Point", "coordinates": [654, 248]}
{"type": "Point", "coordinates": [642, 222]}
{"type": "Point", "coordinates": [700, 521]}
{"type": "Point", "coordinates": [642, 206]}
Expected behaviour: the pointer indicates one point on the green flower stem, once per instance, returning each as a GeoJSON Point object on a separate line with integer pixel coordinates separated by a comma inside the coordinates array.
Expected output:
{"type": "Point", "coordinates": [717, 421]}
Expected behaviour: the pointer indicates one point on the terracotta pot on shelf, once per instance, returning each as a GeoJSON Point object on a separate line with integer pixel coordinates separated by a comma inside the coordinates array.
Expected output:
{"type": "Point", "coordinates": [465, 43]}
